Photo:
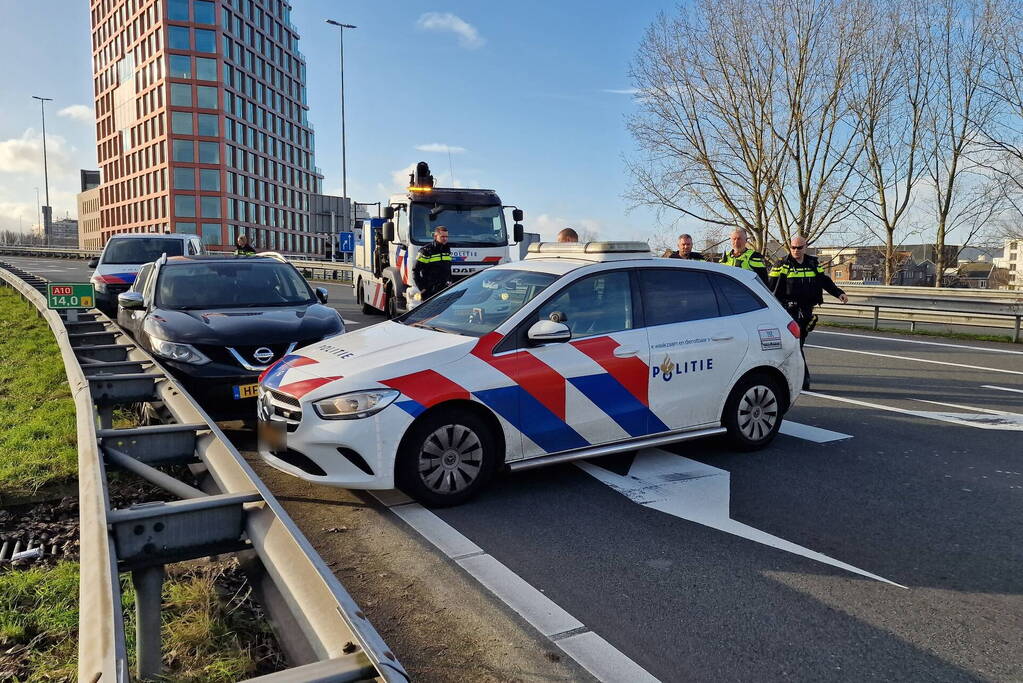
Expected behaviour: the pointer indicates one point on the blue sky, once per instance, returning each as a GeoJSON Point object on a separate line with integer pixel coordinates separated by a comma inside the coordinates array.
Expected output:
{"type": "Point", "coordinates": [520, 91]}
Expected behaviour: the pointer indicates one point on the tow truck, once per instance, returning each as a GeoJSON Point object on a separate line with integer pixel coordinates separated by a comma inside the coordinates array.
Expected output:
{"type": "Point", "coordinates": [386, 247]}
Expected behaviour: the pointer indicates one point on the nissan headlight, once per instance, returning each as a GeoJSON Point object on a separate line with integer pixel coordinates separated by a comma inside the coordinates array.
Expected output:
{"type": "Point", "coordinates": [355, 405]}
{"type": "Point", "coordinates": [182, 353]}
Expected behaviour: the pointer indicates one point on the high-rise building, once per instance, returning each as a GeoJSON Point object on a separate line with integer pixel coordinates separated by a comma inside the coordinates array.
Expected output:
{"type": "Point", "coordinates": [202, 121]}
{"type": "Point", "coordinates": [90, 232]}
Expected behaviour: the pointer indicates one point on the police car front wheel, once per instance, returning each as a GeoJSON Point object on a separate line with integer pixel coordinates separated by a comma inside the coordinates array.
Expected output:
{"type": "Point", "coordinates": [753, 412]}
{"type": "Point", "coordinates": [445, 460]}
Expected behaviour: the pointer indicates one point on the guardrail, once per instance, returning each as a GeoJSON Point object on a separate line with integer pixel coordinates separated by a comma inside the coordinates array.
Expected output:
{"type": "Point", "coordinates": [320, 627]}
{"type": "Point", "coordinates": [55, 252]}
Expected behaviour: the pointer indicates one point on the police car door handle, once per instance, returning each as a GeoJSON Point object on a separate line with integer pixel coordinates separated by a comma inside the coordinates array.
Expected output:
{"type": "Point", "coordinates": [730, 338]}
{"type": "Point", "coordinates": [625, 351]}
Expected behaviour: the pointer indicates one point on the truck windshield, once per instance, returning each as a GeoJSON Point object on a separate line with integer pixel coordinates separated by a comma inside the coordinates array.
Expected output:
{"type": "Point", "coordinates": [468, 226]}
{"type": "Point", "coordinates": [478, 304]}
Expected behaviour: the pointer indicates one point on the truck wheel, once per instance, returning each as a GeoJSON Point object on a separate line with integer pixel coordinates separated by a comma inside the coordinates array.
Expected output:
{"type": "Point", "coordinates": [391, 307]}
{"type": "Point", "coordinates": [446, 458]}
{"type": "Point", "coordinates": [366, 308]}
{"type": "Point", "coordinates": [752, 412]}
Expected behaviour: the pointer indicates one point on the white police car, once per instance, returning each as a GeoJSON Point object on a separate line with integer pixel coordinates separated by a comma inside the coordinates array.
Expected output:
{"type": "Point", "coordinates": [578, 351]}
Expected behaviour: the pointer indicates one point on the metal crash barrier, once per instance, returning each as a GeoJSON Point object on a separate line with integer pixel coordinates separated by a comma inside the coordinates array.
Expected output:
{"type": "Point", "coordinates": [321, 629]}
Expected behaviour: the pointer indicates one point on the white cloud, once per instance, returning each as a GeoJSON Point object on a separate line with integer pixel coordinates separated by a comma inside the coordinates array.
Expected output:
{"type": "Point", "coordinates": [625, 91]}
{"type": "Point", "coordinates": [79, 112]}
{"type": "Point", "coordinates": [468, 36]}
{"type": "Point", "coordinates": [441, 148]}
{"type": "Point", "coordinates": [25, 155]}
{"type": "Point", "coordinates": [549, 226]}
{"type": "Point", "coordinates": [399, 178]}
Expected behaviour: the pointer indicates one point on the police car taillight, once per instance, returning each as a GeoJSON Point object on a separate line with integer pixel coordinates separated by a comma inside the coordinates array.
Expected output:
{"type": "Point", "coordinates": [794, 329]}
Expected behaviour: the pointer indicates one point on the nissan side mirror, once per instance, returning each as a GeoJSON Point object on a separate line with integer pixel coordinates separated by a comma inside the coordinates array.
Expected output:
{"type": "Point", "coordinates": [518, 234]}
{"type": "Point", "coordinates": [517, 215]}
{"type": "Point", "coordinates": [131, 301]}
{"type": "Point", "coordinates": [388, 213]}
{"type": "Point", "coordinates": [546, 331]}
{"type": "Point", "coordinates": [321, 294]}
{"type": "Point", "coordinates": [93, 262]}
{"type": "Point", "coordinates": [387, 232]}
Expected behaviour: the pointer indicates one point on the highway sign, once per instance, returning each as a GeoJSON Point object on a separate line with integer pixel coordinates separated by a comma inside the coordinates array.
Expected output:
{"type": "Point", "coordinates": [60, 295]}
{"type": "Point", "coordinates": [346, 242]}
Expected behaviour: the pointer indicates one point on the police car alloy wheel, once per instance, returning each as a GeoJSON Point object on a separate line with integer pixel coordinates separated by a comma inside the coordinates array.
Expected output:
{"type": "Point", "coordinates": [753, 412]}
{"type": "Point", "coordinates": [445, 460]}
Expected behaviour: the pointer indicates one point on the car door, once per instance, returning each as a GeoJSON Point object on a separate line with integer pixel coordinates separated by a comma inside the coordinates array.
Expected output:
{"type": "Point", "coordinates": [131, 321]}
{"type": "Point", "coordinates": [694, 349]}
{"type": "Point", "coordinates": [593, 388]}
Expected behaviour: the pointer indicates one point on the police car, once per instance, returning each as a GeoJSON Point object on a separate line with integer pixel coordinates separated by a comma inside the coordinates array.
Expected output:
{"type": "Point", "coordinates": [579, 350]}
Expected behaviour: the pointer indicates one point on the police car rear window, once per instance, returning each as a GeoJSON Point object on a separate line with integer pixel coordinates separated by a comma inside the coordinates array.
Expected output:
{"type": "Point", "coordinates": [140, 250]}
{"type": "Point", "coordinates": [673, 295]}
{"type": "Point", "coordinates": [736, 296]}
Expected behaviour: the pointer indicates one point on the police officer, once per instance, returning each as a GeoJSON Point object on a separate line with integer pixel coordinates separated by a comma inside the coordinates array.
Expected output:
{"type": "Point", "coordinates": [799, 282]}
{"type": "Point", "coordinates": [567, 235]}
{"type": "Point", "coordinates": [743, 256]}
{"type": "Point", "coordinates": [685, 249]}
{"type": "Point", "coordinates": [432, 271]}
{"type": "Point", "coordinates": [242, 246]}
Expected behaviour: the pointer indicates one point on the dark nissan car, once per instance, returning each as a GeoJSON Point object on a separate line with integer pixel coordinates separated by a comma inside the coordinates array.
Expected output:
{"type": "Point", "coordinates": [217, 322]}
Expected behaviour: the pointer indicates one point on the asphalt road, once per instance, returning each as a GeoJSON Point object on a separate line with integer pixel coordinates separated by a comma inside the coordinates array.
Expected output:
{"type": "Point", "coordinates": [884, 545]}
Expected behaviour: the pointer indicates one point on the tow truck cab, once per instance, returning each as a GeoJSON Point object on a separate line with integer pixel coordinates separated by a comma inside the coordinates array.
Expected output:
{"type": "Point", "coordinates": [386, 248]}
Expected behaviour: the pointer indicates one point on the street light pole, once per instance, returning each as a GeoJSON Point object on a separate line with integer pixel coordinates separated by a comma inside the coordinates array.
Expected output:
{"type": "Point", "coordinates": [46, 172]}
{"type": "Point", "coordinates": [344, 161]}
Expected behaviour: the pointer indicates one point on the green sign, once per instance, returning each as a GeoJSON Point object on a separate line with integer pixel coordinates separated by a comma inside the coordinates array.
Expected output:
{"type": "Point", "coordinates": [70, 295]}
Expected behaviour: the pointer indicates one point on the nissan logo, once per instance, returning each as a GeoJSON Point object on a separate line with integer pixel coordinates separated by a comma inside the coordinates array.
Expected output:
{"type": "Point", "coordinates": [263, 354]}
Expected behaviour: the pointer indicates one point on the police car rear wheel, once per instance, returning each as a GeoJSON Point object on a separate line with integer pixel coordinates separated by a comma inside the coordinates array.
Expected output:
{"type": "Point", "coordinates": [753, 412]}
{"type": "Point", "coordinates": [446, 460]}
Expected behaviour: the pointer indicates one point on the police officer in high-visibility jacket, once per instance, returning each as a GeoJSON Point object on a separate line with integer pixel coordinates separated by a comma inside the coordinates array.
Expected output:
{"type": "Point", "coordinates": [799, 282]}
{"type": "Point", "coordinates": [743, 256]}
{"type": "Point", "coordinates": [432, 271]}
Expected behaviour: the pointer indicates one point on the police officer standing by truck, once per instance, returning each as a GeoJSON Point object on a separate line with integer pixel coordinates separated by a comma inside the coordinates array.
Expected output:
{"type": "Point", "coordinates": [799, 282]}
{"type": "Point", "coordinates": [685, 249]}
{"type": "Point", "coordinates": [432, 271]}
{"type": "Point", "coordinates": [744, 256]}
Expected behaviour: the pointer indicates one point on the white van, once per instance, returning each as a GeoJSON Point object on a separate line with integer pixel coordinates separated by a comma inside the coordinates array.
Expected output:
{"type": "Point", "coordinates": [125, 254]}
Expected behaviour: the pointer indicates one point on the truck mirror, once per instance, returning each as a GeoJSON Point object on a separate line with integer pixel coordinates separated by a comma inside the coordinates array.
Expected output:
{"type": "Point", "coordinates": [388, 213]}
{"type": "Point", "coordinates": [517, 233]}
{"type": "Point", "coordinates": [517, 216]}
{"type": "Point", "coordinates": [388, 231]}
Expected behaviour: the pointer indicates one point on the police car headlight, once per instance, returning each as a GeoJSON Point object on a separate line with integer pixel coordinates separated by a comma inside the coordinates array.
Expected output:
{"type": "Point", "coordinates": [182, 353]}
{"type": "Point", "coordinates": [355, 405]}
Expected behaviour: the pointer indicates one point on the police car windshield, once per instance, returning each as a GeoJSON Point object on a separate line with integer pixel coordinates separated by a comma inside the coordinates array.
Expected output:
{"type": "Point", "coordinates": [468, 226]}
{"type": "Point", "coordinates": [232, 284]}
{"type": "Point", "coordinates": [141, 249]}
{"type": "Point", "coordinates": [478, 304]}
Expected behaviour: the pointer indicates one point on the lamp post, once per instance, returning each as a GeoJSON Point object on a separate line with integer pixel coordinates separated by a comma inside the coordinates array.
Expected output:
{"type": "Point", "coordinates": [344, 161]}
{"type": "Point", "coordinates": [46, 172]}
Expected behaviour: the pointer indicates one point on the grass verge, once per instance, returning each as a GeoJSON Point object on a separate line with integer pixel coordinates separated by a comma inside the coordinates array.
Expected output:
{"type": "Point", "coordinates": [37, 415]}
{"type": "Point", "coordinates": [923, 333]}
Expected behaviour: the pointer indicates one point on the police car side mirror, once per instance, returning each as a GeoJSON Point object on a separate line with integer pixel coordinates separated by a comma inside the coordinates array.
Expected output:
{"type": "Point", "coordinates": [547, 331]}
{"type": "Point", "coordinates": [387, 232]}
{"type": "Point", "coordinates": [388, 213]}
{"type": "Point", "coordinates": [93, 262]}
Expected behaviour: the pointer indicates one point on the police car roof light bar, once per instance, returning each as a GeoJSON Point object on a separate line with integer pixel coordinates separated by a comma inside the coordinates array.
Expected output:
{"type": "Point", "coordinates": [589, 248]}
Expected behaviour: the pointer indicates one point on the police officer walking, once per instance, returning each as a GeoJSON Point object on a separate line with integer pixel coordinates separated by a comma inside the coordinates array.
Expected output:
{"type": "Point", "coordinates": [744, 256]}
{"type": "Point", "coordinates": [685, 249]}
{"type": "Point", "coordinates": [242, 246]}
{"type": "Point", "coordinates": [799, 282]}
{"type": "Point", "coordinates": [432, 271]}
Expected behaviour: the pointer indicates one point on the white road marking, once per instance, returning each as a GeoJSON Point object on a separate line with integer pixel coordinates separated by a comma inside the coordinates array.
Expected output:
{"type": "Point", "coordinates": [919, 341]}
{"type": "Point", "coordinates": [918, 360]}
{"type": "Point", "coordinates": [988, 386]}
{"type": "Point", "coordinates": [699, 493]}
{"type": "Point", "coordinates": [811, 433]}
{"type": "Point", "coordinates": [593, 653]}
{"type": "Point", "coordinates": [961, 407]}
{"type": "Point", "coordinates": [1001, 423]}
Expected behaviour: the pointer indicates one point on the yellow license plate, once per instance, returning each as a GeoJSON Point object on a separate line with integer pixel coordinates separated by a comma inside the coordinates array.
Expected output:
{"type": "Point", "coordinates": [246, 391]}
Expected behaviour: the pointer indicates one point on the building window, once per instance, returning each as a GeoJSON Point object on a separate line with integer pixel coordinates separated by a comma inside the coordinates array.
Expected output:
{"type": "Point", "coordinates": [184, 179]}
{"type": "Point", "coordinates": [181, 123]}
{"type": "Point", "coordinates": [205, 69]}
{"type": "Point", "coordinates": [209, 179]}
{"type": "Point", "coordinates": [206, 97]}
{"type": "Point", "coordinates": [184, 151]}
{"type": "Point", "coordinates": [180, 66]}
{"type": "Point", "coordinates": [209, 152]}
{"type": "Point", "coordinates": [177, 10]}
{"type": "Point", "coordinates": [177, 38]}
{"type": "Point", "coordinates": [204, 12]}
{"type": "Point", "coordinates": [211, 233]}
{"type": "Point", "coordinates": [181, 95]}
{"type": "Point", "coordinates": [209, 207]}
{"type": "Point", "coordinates": [186, 227]}
{"type": "Point", "coordinates": [208, 124]}
{"type": "Point", "coordinates": [205, 41]}
{"type": "Point", "coordinates": [184, 205]}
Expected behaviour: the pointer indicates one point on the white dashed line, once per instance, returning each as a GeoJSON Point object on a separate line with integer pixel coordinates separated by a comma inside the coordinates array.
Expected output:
{"type": "Point", "coordinates": [811, 433]}
{"type": "Point", "coordinates": [988, 386]}
{"type": "Point", "coordinates": [917, 360]}
{"type": "Point", "coordinates": [918, 341]}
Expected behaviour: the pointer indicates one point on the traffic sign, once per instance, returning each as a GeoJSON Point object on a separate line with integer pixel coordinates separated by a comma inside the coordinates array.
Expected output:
{"type": "Point", "coordinates": [61, 295]}
{"type": "Point", "coordinates": [346, 242]}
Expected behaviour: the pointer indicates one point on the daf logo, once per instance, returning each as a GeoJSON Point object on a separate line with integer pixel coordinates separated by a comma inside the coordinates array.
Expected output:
{"type": "Point", "coordinates": [263, 354]}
